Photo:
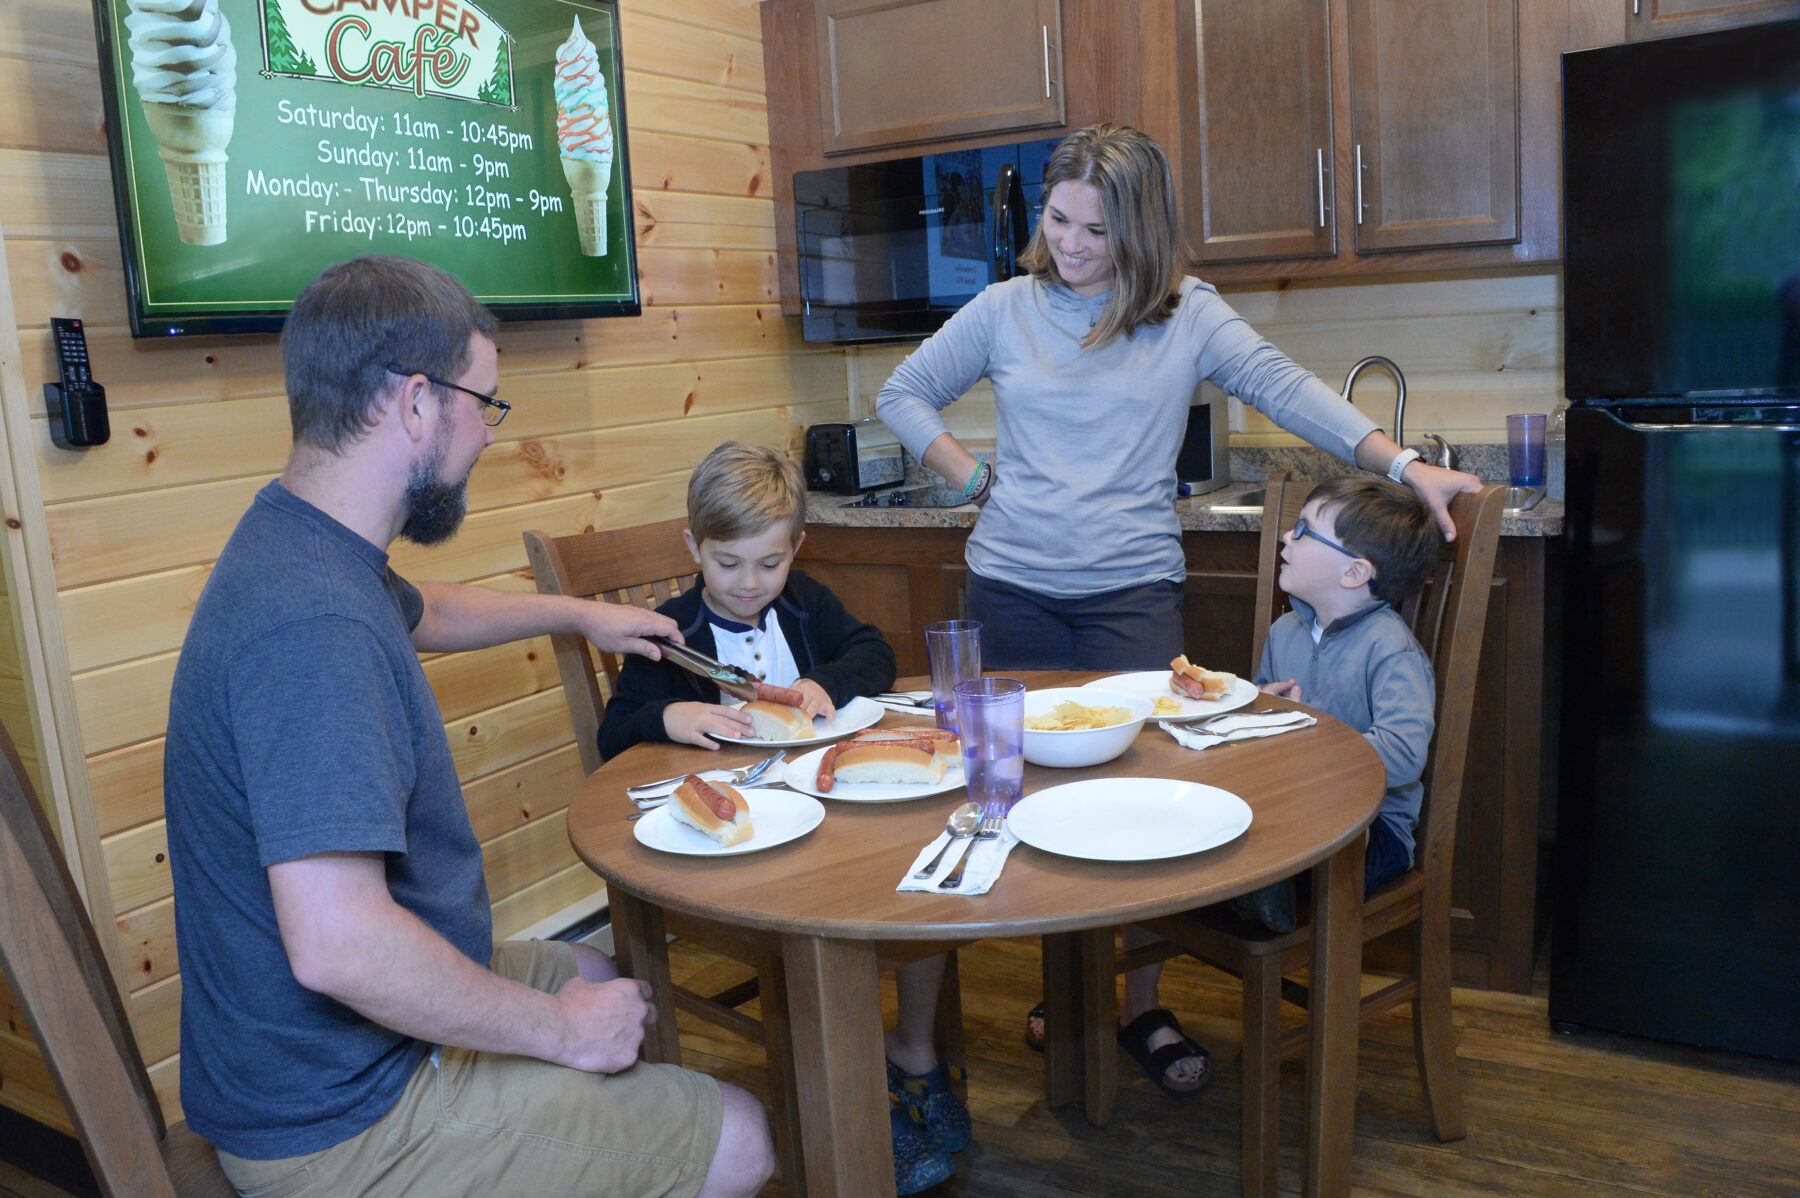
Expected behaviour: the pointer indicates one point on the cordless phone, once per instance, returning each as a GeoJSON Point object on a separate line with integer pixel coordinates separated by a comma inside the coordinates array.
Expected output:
{"type": "Point", "coordinates": [77, 404]}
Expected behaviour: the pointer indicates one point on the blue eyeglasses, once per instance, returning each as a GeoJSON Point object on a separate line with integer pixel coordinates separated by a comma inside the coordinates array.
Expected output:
{"type": "Point", "coordinates": [493, 410]}
{"type": "Point", "coordinates": [1301, 530]}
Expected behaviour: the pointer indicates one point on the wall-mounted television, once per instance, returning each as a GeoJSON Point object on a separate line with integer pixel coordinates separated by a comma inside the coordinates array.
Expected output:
{"type": "Point", "coordinates": [256, 142]}
{"type": "Point", "coordinates": [1681, 200]}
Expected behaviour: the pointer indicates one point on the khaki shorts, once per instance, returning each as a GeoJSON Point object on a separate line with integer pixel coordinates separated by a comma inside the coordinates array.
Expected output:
{"type": "Point", "coordinates": [486, 1124]}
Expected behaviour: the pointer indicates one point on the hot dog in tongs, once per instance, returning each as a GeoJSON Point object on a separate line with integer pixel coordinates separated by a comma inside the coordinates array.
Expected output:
{"type": "Point", "coordinates": [741, 684]}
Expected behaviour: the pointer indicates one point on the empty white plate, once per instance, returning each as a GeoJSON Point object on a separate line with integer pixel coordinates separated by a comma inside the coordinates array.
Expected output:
{"type": "Point", "coordinates": [1129, 819]}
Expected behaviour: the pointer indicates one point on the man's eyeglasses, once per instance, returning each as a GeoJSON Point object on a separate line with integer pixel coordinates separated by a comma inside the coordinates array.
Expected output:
{"type": "Point", "coordinates": [1301, 530]}
{"type": "Point", "coordinates": [493, 411]}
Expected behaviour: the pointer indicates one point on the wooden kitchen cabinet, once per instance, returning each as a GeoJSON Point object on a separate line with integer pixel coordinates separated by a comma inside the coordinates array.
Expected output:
{"type": "Point", "coordinates": [1332, 130]}
{"type": "Point", "coordinates": [901, 579]}
{"type": "Point", "coordinates": [897, 73]}
{"type": "Point", "coordinates": [1669, 18]}
{"type": "Point", "coordinates": [1434, 123]}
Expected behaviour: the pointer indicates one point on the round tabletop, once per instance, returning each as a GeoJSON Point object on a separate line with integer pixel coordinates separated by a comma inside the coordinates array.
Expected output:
{"type": "Point", "coordinates": [1311, 792]}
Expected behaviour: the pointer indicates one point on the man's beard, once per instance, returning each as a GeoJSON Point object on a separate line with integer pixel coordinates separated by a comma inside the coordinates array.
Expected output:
{"type": "Point", "coordinates": [434, 508]}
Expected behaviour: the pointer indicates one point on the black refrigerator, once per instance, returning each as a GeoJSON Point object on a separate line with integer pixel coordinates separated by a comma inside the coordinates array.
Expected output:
{"type": "Point", "coordinates": [1676, 877]}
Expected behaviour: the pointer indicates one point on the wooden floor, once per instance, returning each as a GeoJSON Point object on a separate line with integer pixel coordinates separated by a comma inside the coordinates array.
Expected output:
{"type": "Point", "coordinates": [1547, 1114]}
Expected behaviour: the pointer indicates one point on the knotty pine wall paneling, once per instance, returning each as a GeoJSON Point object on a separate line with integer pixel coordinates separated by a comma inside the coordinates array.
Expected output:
{"type": "Point", "coordinates": [608, 418]}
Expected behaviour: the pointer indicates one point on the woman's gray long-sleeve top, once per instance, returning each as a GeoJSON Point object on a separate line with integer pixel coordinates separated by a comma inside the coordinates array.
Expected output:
{"type": "Point", "coordinates": [1084, 494]}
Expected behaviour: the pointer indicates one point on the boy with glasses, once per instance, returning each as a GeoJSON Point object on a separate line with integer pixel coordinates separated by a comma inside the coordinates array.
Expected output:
{"type": "Point", "coordinates": [1359, 548]}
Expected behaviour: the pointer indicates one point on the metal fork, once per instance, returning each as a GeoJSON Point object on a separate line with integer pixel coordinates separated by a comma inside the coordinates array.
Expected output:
{"type": "Point", "coordinates": [991, 821]}
{"type": "Point", "coordinates": [654, 794]}
{"type": "Point", "coordinates": [909, 700]}
{"type": "Point", "coordinates": [1231, 715]}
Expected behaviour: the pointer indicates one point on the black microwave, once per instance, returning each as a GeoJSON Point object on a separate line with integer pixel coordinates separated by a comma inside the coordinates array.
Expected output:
{"type": "Point", "coordinates": [888, 250]}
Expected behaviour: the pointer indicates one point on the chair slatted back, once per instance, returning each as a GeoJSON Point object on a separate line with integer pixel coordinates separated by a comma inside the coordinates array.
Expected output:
{"type": "Point", "coordinates": [1282, 501]}
{"type": "Point", "coordinates": [1449, 617]}
{"type": "Point", "coordinates": [52, 960]}
{"type": "Point", "coordinates": [642, 566]}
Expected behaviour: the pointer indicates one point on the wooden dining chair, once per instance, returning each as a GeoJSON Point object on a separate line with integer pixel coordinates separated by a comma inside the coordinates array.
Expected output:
{"type": "Point", "coordinates": [1449, 617]}
{"type": "Point", "coordinates": [53, 963]}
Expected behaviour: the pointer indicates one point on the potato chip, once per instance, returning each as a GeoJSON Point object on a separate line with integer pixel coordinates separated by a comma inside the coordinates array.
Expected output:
{"type": "Point", "coordinates": [1165, 705]}
{"type": "Point", "coordinates": [1070, 716]}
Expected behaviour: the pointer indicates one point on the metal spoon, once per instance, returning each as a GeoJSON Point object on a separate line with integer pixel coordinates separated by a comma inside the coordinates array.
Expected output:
{"type": "Point", "coordinates": [961, 824]}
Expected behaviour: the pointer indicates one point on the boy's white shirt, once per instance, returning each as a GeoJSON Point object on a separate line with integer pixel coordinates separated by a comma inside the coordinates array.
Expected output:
{"type": "Point", "coordinates": [764, 652]}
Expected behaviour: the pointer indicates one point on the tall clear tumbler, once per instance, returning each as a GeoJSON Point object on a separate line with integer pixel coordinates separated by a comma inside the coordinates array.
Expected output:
{"type": "Point", "coordinates": [954, 649]}
{"type": "Point", "coordinates": [992, 713]}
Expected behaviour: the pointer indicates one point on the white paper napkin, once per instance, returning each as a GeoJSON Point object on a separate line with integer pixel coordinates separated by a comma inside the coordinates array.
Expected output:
{"type": "Point", "coordinates": [989, 858]}
{"type": "Point", "coordinates": [1238, 727]}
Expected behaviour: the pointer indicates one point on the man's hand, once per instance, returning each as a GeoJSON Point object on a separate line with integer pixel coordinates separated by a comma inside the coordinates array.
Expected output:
{"type": "Point", "coordinates": [694, 723]}
{"type": "Point", "coordinates": [817, 701]}
{"type": "Point", "coordinates": [1437, 487]}
{"type": "Point", "coordinates": [604, 1023]}
{"type": "Point", "coordinates": [1283, 690]}
{"type": "Point", "coordinates": [619, 628]}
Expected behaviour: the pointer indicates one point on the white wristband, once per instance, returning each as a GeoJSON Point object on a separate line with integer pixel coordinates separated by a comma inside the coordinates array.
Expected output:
{"type": "Point", "coordinates": [1402, 460]}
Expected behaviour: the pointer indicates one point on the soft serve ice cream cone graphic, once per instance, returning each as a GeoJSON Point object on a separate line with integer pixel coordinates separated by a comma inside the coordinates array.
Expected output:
{"type": "Point", "coordinates": [584, 136]}
{"type": "Point", "coordinates": [185, 70]}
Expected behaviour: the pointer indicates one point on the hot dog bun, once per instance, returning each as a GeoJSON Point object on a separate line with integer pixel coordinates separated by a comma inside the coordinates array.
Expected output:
{"type": "Point", "coordinates": [690, 806]}
{"type": "Point", "coordinates": [873, 761]}
{"type": "Point", "coordinates": [949, 748]}
{"type": "Point", "coordinates": [778, 721]}
{"type": "Point", "coordinates": [1192, 682]}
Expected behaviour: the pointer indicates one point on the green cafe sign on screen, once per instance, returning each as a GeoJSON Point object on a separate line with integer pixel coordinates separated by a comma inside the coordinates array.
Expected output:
{"type": "Point", "coordinates": [259, 141]}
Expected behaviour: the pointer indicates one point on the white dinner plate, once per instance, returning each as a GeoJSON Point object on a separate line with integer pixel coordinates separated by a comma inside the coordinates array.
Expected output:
{"type": "Point", "coordinates": [777, 816]}
{"type": "Point", "coordinates": [1129, 819]}
{"type": "Point", "coordinates": [803, 775]}
{"type": "Point", "coordinates": [1154, 684]}
{"type": "Point", "coordinates": [854, 716]}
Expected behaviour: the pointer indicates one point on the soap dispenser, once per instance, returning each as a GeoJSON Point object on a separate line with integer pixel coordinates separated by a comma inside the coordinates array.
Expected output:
{"type": "Point", "coordinates": [1556, 437]}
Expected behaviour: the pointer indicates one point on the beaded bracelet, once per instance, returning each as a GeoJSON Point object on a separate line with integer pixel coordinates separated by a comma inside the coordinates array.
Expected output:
{"type": "Point", "coordinates": [978, 481]}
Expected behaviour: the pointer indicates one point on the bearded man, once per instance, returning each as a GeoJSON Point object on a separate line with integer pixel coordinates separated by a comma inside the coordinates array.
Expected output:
{"type": "Point", "coordinates": [347, 1024]}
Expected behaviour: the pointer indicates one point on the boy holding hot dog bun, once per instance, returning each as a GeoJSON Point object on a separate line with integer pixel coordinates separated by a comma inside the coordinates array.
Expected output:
{"type": "Point", "coordinates": [746, 516]}
{"type": "Point", "coordinates": [746, 511]}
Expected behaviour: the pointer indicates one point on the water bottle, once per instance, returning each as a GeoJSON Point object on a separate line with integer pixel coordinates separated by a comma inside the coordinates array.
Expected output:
{"type": "Point", "coordinates": [1555, 439]}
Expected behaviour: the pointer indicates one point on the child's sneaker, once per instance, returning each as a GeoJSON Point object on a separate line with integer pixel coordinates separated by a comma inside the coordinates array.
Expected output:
{"type": "Point", "coordinates": [933, 1103]}
{"type": "Point", "coordinates": [1273, 906]}
{"type": "Point", "coordinates": [918, 1163]}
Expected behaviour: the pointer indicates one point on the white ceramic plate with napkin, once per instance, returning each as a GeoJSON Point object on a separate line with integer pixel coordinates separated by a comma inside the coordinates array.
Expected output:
{"type": "Point", "coordinates": [854, 716]}
{"type": "Point", "coordinates": [1154, 685]}
{"type": "Point", "coordinates": [777, 815]}
{"type": "Point", "coordinates": [803, 775]}
{"type": "Point", "coordinates": [1129, 819]}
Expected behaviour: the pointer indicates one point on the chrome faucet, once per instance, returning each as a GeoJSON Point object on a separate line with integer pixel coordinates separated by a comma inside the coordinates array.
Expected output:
{"type": "Point", "coordinates": [1446, 455]}
{"type": "Point", "coordinates": [1399, 381]}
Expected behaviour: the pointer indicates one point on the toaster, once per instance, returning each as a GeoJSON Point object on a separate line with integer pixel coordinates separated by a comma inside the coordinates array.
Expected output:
{"type": "Point", "coordinates": [831, 459]}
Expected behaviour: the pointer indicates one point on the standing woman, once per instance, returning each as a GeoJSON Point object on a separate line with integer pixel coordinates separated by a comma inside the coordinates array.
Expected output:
{"type": "Point", "coordinates": [1094, 356]}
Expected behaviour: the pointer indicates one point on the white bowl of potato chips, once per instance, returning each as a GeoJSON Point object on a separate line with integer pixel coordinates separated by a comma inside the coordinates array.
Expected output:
{"type": "Point", "coordinates": [1072, 726]}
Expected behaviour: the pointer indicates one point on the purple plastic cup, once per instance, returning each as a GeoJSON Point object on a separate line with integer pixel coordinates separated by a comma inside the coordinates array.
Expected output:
{"type": "Point", "coordinates": [1525, 448]}
{"type": "Point", "coordinates": [954, 648]}
{"type": "Point", "coordinates": [992, 713]}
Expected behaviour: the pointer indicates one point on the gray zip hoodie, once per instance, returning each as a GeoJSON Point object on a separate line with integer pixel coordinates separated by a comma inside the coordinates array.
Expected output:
{"type": "Point", "coordinates": [1369, 671]}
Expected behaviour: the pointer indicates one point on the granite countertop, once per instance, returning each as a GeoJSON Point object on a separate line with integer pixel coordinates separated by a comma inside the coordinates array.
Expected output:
{"type": "Point", "coordinates": [1235, 507]}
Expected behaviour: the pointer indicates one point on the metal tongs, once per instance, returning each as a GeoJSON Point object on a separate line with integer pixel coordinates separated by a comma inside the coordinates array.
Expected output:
{"type": "Point", "coordinates": [733, 680]}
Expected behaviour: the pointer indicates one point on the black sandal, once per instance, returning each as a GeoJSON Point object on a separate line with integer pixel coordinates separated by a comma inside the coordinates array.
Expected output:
{"type": "Point", "coordinates": [1034, 1040]}
{"type": "Point", "coordinates": [1134, 1038]}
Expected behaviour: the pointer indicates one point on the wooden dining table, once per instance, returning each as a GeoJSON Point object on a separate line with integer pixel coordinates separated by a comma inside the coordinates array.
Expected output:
{"type": "Point", "coordinates": [827, 902]}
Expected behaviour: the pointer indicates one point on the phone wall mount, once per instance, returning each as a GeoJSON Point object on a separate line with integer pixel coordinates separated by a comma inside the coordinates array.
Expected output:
{"type": "Point", "coordinates": [76, 404]}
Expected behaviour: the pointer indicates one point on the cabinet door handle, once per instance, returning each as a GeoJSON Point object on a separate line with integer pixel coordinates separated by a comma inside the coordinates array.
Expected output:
{"type": "Point", "coordinates": [1047, 80]}
{"type": "Point", "coordinates": [1359, 178]}
{"type": "Point", "coordinates": [1634, 7]}
{"type": "Point", "coordinates": [1321, 171]}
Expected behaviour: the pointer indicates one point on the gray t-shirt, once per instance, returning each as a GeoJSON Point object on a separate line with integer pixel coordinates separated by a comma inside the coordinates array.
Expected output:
{"type": "Point", "coordinates": [1368, 670]}
{"type": "Point", "coordinates": [300, 723]}
{"type": "Point", "coordinates": [1083, 500]}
